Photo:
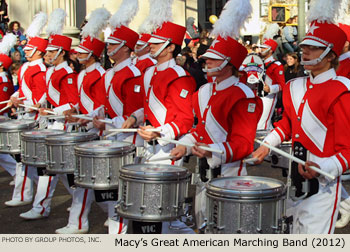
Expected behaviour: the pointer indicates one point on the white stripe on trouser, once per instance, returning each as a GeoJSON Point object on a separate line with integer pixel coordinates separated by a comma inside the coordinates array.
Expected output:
{"type": "Point", "coordinates": [8, 163]}
{"type": "Point", "coordinates": [269, 104]}
{"type": "Point", "coordinates": [201, 198]}
{"type": "Point", "coordinates": [22, 191]}
{"type": "Point", "coordinates": [174, 227]}
{"type": "Point", "coordinates": [314, 214]}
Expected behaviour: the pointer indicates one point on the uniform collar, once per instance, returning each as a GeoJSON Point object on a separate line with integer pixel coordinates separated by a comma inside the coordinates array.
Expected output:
{"type": "Point", "coordinates": [61, 65]}
{"type": "Point", "coordinates": [226, 83]}
{"type": "Point", "coordinates": [36, 62]}
{"type": "Point", "coordinates": [269, 59]}
{"type": "Point", "coordinates": [344, 56]}
{"type": "Point", "coordinates": [323, 77]}
{"type": "Point", "coordinates": [121, 65]}
{"type": "Point", "coordinates": [165, 65]}
{"type": "Point", "coordinates": [92, 67]}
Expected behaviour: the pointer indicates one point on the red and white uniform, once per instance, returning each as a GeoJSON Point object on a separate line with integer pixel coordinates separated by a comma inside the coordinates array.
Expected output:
{"type": "Point", "coordinates": [344, 65]}
{"type": "Point", "coordinates": [317, 112]}
{"type": "Point", "coordinates": [275, 80]}
{"type": "Point", "coordinates": [90, 88]}
{"type": "Point", "coordinates": [6, 89]}
{"type": "Point", "coordinates": [62, 89]}
{"type": "Point", "coordinates": [32, 83]}
{"type": "Point", "coordinates": [227, 113]}
{"type": "Point", "coordinates": [168, 90]}
{"type": "Point", "coordinates": [123, 96]}
{"type": "Point", "coordinates": [144, 62]}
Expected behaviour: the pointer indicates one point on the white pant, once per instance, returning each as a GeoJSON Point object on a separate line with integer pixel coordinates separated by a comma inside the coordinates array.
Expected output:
{"type": "Point", "coordinates": [201, 198]}
{"type": "Point", "coordinates": [318, 213]}
{"type": "Point", "coordinates": [8, 163]}
{"type": "Point", "coordinates": [23, 190]}
{"type": "Point", "coordinates": [269, 104]}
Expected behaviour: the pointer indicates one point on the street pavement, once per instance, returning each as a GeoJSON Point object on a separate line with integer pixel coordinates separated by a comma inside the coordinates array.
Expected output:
{"type": "Point", "coordinates": [11, 223]}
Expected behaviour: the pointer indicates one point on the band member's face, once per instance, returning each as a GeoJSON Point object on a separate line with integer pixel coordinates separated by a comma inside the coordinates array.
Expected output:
{"type": "Point", "coordinates": [213, 63]}
{"type": "Point", "coordinates": [310, 52]}
{"type": "Point", "coordinates": [81, 57]}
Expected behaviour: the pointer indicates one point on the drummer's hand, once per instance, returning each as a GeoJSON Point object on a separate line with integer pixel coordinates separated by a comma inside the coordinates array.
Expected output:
{"type": "Point", "coordinates": [148, 135]}
{"type": "Point", "coordinates": [200, 152]}
{"type": "Point", "coordinates": [15, 101]}
{"type": "Point", "coordinates": [129, 122]}
{"type": "Point", "coordinates": [98, 124]}
{"type": "Point", "coordinates": [42, 111]}
{"type": "Point", "coordinates": [178, 152]}
{"type": "Point", "coordinates": [37, 105]}
{"type": "Point", "coordinates": [308, 173]}
{"type": "Point", "coordinates": [83, 122]}
{"type": "Point", "coordinates": [13, 112]}
{"type": "Point", "coordinates": [260, 153]}
{"type": "Point", "coordinates": [267, 88]}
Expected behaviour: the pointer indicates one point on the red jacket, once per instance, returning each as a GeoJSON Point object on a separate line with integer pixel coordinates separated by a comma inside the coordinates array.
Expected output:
{"type": "Point", "coordinates": [274, 75]}
{"type": "Point", "coordinates": [168, 98]}
{"type": "Point", "coordinates": [91, 89]}
{"type": "Point", "coordinates": [31, 81]}
{"type": "Point", "coordinates": [62, 86]}
{"type": "Point", "coordinates": [344, 65]}
{"type": "Point", "coordinates": [144, 62]}
{"type": "Point", "coordinates": [6, 89]}
{"type": "Point", "coordinates": [317, 114]}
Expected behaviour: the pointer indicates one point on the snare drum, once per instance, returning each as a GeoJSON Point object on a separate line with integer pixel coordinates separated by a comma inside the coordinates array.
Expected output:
{"type": "Point", "coordinates": [10, 138]}
{"type": "Point", "coordinates": [98, 163]}
{"type": "Point", "coordinates": [60, 151]}
{"type": "Point", "coordinates": [152, 192]}
{"type": "Point", "coordinates": [247, 205]}
{"type": "Point", "coordinates": [33, 149]}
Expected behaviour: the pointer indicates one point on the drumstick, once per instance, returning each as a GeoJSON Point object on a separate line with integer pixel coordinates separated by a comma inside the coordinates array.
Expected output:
{"type": "Point", "coordinates": [4, 102]}
{"type": "Point", "coordinates": [89, 118]}
{"type": "Point", "coordinates": [295, 159]}
{"type": "Point", "coordinates": [159, 159]}
{"type": "Point", "coordinates": [117, 131]}
{"type": "Point", "coordinates": [190, 145]}
{"type": "Point", "coordinates": [3, 109]}
{"type": "Point", "coordinates": [35, 108]}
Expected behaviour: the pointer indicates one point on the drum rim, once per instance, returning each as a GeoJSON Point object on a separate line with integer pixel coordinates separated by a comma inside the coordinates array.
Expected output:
{"type": "Point", "coordinates": [81, 150]}
{"type": "Point", "coordinates": [41, 137]}
{"type": "Point", "coordinates": [159, 176]}
{"type": "Point", "coordinates": [31, 124]}
{"type": "Point", "coordinates": [246, 194]}
{"type": "Point", "coordinates": [68, 137]}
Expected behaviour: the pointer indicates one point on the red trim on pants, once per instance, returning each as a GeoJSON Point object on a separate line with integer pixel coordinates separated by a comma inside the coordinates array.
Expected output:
{"type": "Point", "coordinates": [46, 195]}
{"type": "Point", "coordinates": [83, 207]}
{"type": "Point", "coordinates": [334, 207]}
{"type": "Point", "coordinates": [270, 112]}
{"type": "Point", "coordinates": [120, 225]}
{"type": "Point", "coordinates": [240, 168]}
{"type": "Point", "coordinates": [24, 182]}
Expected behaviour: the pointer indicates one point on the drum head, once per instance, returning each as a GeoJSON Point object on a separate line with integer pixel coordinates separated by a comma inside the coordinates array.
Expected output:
{"type": "Point", "coordinates": [253, 65]}
{"type": "Point", "coordinates": [246, 187]}
{"type": "Point", "coordinates": [4, 118]}
{"type": "Point", "coordinates": [41, 133]}
{"type": "Point", "coordinates": [17, 125]}
{"type": "Point", "coordinates": [154, 172]}
{"type": "Point", "coordinates": [105, 147]}
{"type": "Point", "coordinates": [72, 137]}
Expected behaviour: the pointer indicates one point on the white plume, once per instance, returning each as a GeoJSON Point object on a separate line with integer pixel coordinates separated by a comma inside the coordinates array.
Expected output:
{"type": "Point", "coordinates": [324, 10]}
{"type": "Point", "coordinates": [125, 13]}
{"type": "Point", "coordinates": [160, 11]}
{"type": "Point", "coordinates": [271, 31]}
{"type": "Point", "coordinates": [97, 22]}
{"type": "Point", "coordinates": [56, 22]}
{"type": "Point", "coordinates": [7, 43]}
{"type": "Point", "coordinates": [343, 13]}
{"type": "Point", "coordinates": [37, 25]}
{"type": "Point", "coordinates": [232, 18]}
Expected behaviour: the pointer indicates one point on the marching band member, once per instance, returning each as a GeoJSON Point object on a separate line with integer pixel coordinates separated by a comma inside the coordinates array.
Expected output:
{"type": "Point", "coordinates": [167, 90]}
{"type": "Point", "coordinates": [274, 82]}
{"type": "Point", "coordinates": [344, 70]}
{"type": "Point", "coordinates": [316, 119]}
{"type": "Point", "coordinates": [142, 49]}
{"type": "Point", "coordinates": [61, 94]}
{"type": "Point", "coordinates": [90, 88]}
{"type": "Point", "coordinates": [227, 110]}
{"type": "Point", "coordinates": [32, 86]}
{"type": "Point", "coordinates": [123, 89]}
{"type": "Point", "coordinates": [6, 90]}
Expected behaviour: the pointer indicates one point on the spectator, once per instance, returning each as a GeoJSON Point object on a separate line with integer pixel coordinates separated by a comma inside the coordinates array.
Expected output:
{"type": "Point", "coordinates": [288, 34]}
{"type": "Point", "coordinates": [4, 19]}
{"type": "Point", "coordinates": [14, 70]}
{"type": "Point", "coordinates": [192, 34]}
{"type": "Point", "coordinates": [293, 68]}
{"type": "Point", "coordinates": [15, 28]}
